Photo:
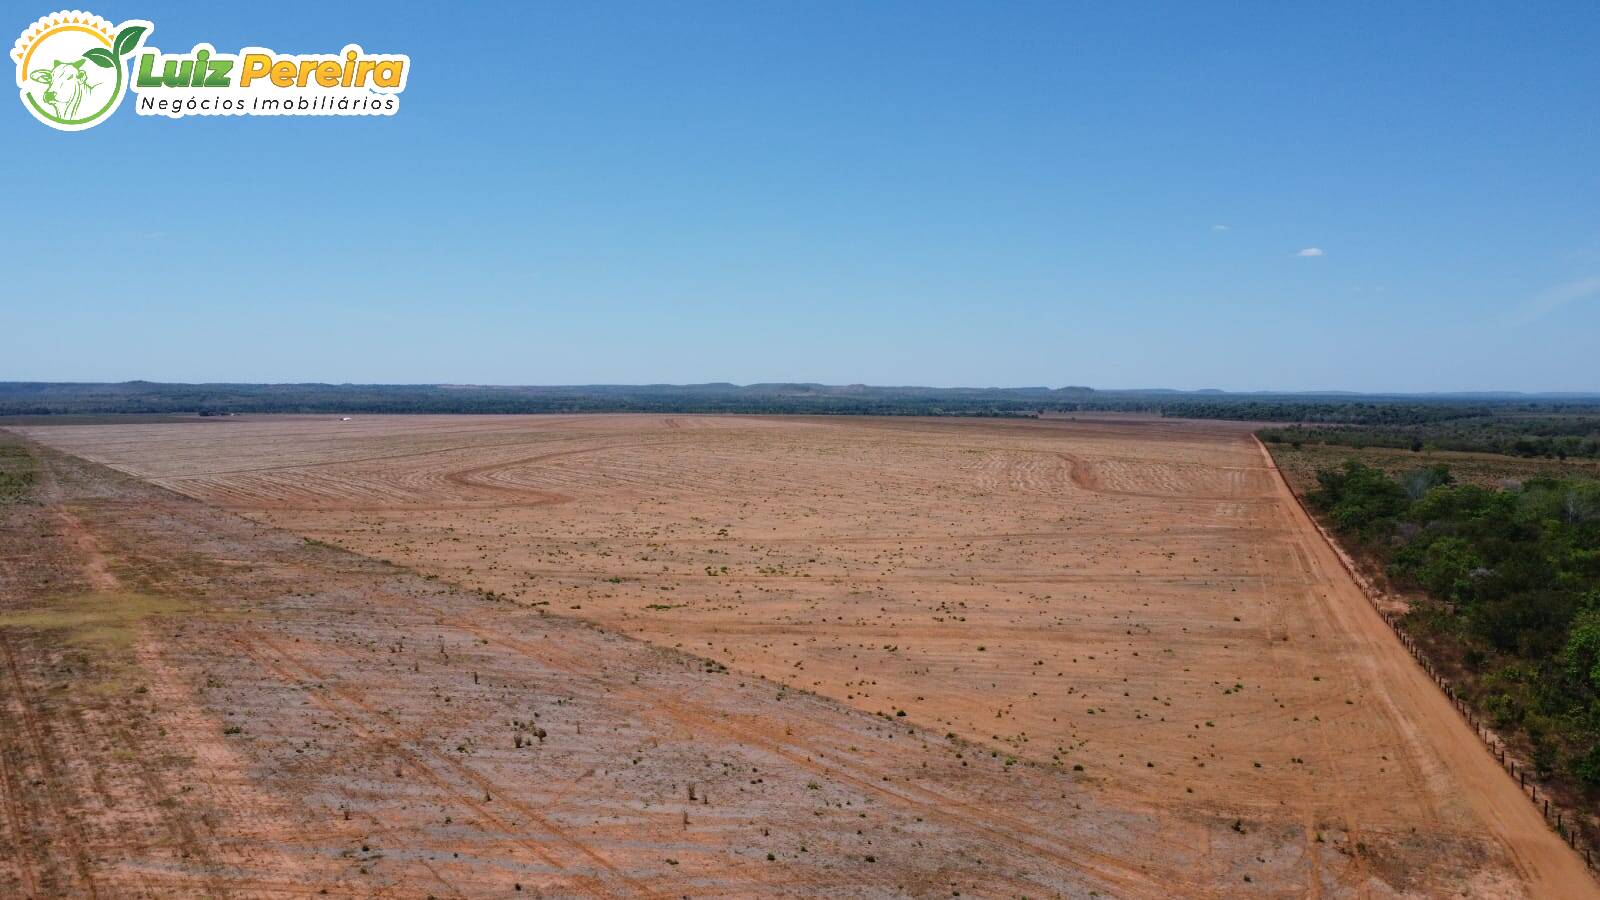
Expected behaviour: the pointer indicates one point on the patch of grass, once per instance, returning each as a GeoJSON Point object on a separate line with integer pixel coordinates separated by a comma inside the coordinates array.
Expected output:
{"type": "Point", "coordinates": [1301, 464]}
{"type": "Point", "coordinates": [17, 471]}
{"type": "Point", "coordinates": [15, 486]}
{"type": "Point", "coordinates": [106, 619]}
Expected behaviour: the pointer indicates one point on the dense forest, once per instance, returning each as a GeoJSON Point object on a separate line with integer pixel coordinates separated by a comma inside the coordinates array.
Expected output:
{"type": "Point", "coordinates": [1510, 584]}
{"type": "Point", "coordinates": [1367, 411]}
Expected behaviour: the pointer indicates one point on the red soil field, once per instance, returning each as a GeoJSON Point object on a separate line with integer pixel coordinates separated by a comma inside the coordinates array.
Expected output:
{"type": "Point", "coordinates": [1040, 657]}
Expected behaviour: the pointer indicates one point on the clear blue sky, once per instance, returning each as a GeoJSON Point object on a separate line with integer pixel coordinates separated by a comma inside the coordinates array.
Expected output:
{"type": "Point", "coordinates": [1112, 194]}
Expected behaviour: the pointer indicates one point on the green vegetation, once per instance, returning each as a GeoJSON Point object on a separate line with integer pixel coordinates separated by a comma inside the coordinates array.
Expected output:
{"type": "Point", "coordinates": [17, 471]}
{"type": "Point", "coordinates": [1509, 431]}
{"type": "Point", "coordinates": [1512, 584]}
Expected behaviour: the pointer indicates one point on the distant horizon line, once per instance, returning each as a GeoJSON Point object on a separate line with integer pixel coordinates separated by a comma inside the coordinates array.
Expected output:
{"type": "Point", "coordinates": [727, 385]}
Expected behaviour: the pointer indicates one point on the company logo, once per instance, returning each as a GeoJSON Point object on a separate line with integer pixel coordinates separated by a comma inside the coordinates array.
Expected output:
{"type": "Point", "coordinates": [70, 67]}
{"type": "Point", "coordinates": [73, 69]}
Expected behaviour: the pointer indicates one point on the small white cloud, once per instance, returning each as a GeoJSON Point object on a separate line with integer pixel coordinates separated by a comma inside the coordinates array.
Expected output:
{"type": "Point", "coordinates": [1310, 251]}
{"type": "Point", "coordinates": [1555, 298]}
{"type": "Point", "coordinates": [1219, 228]}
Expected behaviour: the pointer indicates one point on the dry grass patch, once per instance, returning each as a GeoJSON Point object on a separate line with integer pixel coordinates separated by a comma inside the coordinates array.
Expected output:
{"type": "Point", "coordinates": [106, 619]}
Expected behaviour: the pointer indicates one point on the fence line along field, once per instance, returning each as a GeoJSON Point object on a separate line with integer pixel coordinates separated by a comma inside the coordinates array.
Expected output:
{"type": "Point", "coordinates": [1135, 607]}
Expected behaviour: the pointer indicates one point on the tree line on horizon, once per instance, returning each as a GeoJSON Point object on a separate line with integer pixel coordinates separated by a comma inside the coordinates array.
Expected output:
{"type": "Point", "coordinates": [1325, 413]}
{"type": "Point", "coordinates": [1510, 432]}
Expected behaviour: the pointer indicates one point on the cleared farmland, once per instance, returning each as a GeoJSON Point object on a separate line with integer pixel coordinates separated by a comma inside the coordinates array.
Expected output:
{"type": "Point", "coordinates": [1133, 608]}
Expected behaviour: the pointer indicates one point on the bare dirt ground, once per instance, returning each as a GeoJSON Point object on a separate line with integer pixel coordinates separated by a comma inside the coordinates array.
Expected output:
{"type": "Point", "coordinates": [1142, 600]}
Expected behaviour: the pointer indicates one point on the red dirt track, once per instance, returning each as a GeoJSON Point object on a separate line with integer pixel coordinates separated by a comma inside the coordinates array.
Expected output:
{"type": "Point", "coordinates": [899, 656]}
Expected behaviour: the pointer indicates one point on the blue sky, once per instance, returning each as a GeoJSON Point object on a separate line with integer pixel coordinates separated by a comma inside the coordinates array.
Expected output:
{"type": "Point", "coordinates": [1113, 194]}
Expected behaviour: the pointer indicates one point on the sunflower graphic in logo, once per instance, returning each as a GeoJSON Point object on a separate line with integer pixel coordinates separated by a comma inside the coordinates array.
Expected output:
{"type": "Point", "coordinates": [72, 67]}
